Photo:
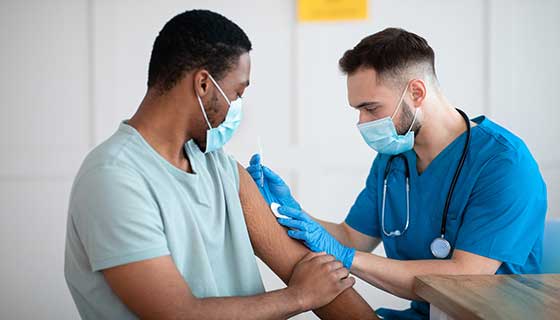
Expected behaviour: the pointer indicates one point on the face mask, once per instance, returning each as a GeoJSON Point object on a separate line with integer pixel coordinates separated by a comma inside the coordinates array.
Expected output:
{"type": "Point", "coordinates": [381, 135]}
{"type": "Point", "coordinates": [217, 137]}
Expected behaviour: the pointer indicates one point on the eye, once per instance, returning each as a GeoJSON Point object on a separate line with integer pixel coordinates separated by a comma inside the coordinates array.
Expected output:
{"type": "Point", "coordinates": [371, 108]}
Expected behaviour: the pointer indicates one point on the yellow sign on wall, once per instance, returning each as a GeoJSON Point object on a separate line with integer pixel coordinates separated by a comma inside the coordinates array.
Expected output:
{"type": "Point", "coordinates": [332, 10]}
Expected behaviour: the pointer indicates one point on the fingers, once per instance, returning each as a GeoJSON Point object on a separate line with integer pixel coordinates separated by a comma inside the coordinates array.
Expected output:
{"type": "Point", "coordinates": [347, 283]}
{"type": "Point", "coordinates": [310, 255]}
{"type": "Point", "coordinates": [294, 214]}
{"type": "Point", "coordinates": [324, 259]}
{"type": "Point", "coordinates": [341, 272]}
{"type": "Point", "coordinates": [272, 176]}
{"type": "Point", "coordinates": [255, 173]}
{"type": "Point", "coordinates": [254, 170]}
{"type": "Point", "coordinates": [255, 160]}
{"type": "Point", "coordinates": [299, 235]}
{"type": "Point", "coordinates": [294, 224]}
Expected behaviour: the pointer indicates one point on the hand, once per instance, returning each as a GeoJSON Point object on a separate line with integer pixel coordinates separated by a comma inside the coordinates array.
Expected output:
{"type": "Point", "coordinates": [317, 279]}
{"type": "Point", "coordinates": [271, 186]}
{"type": "Point", "coordinates": [314, 236]}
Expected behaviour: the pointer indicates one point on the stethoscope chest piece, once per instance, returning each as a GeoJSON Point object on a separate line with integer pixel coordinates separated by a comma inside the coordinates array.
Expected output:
{"type": "Point", "coordinates": [440, 248]}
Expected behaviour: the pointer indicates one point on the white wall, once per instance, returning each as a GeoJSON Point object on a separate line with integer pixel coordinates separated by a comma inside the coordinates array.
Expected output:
{"type": "Point", "coordinates": [71, 70]}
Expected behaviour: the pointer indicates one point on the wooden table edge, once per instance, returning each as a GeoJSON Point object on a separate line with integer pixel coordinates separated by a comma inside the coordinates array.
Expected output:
{"type": "Point", "coordinates": [430, 294]}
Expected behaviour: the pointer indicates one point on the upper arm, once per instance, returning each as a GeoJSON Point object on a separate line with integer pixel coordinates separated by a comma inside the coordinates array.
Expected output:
{"type": "Point", "coordinates": [281, 253]}
{"type": "Point", "coordinates": [505, 214]}
{"type": "Point", "coordinates": [363, 215]}
{"type": "Point", "coordinates": [116, 218]}
{"type": "Point", "coordinates": [152, 289]}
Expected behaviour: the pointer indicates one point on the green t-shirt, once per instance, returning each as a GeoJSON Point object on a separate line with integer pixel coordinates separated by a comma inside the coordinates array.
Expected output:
{"type": "Point", "coordinates": [129, 204]}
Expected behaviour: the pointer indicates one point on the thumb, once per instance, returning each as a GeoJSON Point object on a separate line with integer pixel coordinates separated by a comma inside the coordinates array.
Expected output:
{"type": "Point", "coordinates": [255, 159]}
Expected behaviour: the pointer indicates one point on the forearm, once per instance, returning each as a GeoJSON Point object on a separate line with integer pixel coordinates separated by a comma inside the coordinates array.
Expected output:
{"type": "Point", "coordinates": [279, 304]}
{"type": "Point", "coordinates": [337, 231]}
{"type": "Point", "coordinates": [397, 276]}
{"type": "Point", "coordinates": [280, 253]}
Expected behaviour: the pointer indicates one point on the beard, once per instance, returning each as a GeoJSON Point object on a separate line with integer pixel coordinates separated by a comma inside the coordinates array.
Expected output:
{"type": "Point", "coordinates": [406, 121]}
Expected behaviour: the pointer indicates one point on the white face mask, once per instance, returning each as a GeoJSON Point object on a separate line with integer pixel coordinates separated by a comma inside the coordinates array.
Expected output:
{"type": "Point", "coordinates": [382, 136]}
{"type": "Point", "coordinates": [217, 137]}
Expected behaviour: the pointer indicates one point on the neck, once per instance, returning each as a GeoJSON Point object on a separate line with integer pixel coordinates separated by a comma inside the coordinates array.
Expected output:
{"type": "Point", "coordinates": [441, 124]}
{"type": "Point", "coordinates": [163, 121]}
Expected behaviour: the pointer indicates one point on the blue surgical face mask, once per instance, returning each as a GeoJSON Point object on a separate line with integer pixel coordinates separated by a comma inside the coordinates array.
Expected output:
{"type": "Point", "coordinates": [382, 136]}
{"type": "Point", "coordinates": [217, 137]}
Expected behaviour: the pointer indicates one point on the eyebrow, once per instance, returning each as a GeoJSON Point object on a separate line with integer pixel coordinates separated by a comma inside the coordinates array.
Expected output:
{"type": "Point", "coordinates": [367, 103]}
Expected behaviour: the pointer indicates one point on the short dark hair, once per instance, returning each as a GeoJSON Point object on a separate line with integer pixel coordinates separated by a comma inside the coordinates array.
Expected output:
{"type": "Point", "coordinates": [192, 40]}
{"type": "Point", "coordinates": [392, 53]}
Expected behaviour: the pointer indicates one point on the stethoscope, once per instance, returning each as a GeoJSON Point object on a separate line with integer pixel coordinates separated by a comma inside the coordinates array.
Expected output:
{"type": "Point", "coordinates": [439, 247]}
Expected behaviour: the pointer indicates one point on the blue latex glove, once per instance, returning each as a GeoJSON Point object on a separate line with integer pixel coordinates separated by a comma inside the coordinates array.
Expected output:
{"type": "Point", "coordinates": [271, 186]}
{"type": "Point", "coordinates": [314, 236]}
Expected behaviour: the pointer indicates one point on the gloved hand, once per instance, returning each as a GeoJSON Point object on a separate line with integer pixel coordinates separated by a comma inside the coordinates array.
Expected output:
{"type": "Point", "coordinates": [271, 186]}
{"type": "Point", "coordinates": [314, 236]}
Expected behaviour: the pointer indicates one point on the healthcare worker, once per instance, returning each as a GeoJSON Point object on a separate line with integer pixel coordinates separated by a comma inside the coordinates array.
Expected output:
{"type": "Point", "coordinates": [445, 194]}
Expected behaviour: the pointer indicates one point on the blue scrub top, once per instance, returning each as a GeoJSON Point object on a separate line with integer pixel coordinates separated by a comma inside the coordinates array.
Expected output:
{"type": "Point", "coordinates": [498, 207]}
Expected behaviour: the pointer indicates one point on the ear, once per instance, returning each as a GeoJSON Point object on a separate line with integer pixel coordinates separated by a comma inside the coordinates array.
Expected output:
{"type": "Point", "coordinates": [201, 82]}
{"type": "Point", "coordinates": [418, 90]}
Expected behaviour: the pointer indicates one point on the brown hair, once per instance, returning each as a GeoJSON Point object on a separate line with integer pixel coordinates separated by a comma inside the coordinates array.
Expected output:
{"type": "Point", "coordinates": [392, 52]}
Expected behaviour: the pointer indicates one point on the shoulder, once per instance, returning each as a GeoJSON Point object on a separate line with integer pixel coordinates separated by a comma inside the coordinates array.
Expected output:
{"type": "Point", "coordinates": [109, 170]}
{"type": "Point", "coordinates": [503, 157]}
{"type": "Point", "coordinates": [121, 150]}
{"type": "Point", "coordinates": [496, 136]}
{"type": "Point", "coordinates": [492, 143]}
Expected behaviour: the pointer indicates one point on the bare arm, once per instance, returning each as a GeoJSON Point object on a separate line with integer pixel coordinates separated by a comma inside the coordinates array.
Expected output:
{"type": "Point", "coordinates": [397, 277]}
{"type": "Point", "coordinates": [154, 289]}
{"type": "Point", "coordinates": [273, 246]}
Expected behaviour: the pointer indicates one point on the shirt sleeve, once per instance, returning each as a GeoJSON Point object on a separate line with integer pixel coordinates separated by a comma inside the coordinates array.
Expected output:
{"type": "Point", "coordinates": [116, 218]}
{"type": "Point", "coordinates": [506, 210]}
{"type": "Point", "coordinates": [234, 170]}
{"type": "Point", "coordinates": [363, 214]}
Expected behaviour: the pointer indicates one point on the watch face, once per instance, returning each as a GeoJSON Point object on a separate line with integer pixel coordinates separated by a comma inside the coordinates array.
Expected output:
{"type": "Point", "coordinates": [440, 248]}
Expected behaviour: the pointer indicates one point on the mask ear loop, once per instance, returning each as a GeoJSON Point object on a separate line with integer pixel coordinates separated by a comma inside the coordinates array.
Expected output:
{"type": "Point", "coordinates": [400, 101]}
{"type": "Point", "coordinates": [220, 89]}
{"type": "Point", "coordinates": [203, 112]}
{"type": "Point", "coordinates": [413, 120]}
{"type": "Point", "coordinates": [399, 105]}
{"type": "Point", "coordinates": [202, 105]}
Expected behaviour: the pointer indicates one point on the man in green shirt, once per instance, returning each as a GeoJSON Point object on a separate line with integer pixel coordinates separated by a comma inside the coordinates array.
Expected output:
{"type": "Point", "coordinates": [163, 224]}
